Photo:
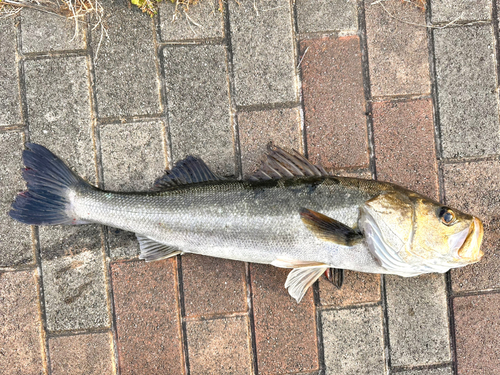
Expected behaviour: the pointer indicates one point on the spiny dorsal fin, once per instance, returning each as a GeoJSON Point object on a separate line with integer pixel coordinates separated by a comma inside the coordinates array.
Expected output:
{"type": "Point", "coordinates": [190, 170]}
{"type": "Point", "coordinates": [328, 229]}
{"type": "Point", "coordinates": [279, 163]}
{"type": "Point", "coordinates": [152, 250]}
{"type": "Point", "coordinates": [300, 279]}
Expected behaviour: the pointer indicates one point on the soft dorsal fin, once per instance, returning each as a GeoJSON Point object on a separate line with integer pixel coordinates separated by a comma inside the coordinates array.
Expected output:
{"type": "Point", "coordinates": [190, 170]}
{"type": "Point", "coordinates": [152, 250]}
{"type": "Point", "coordinates": [329, 229]}
{"type": "Point", "coordinates": [279, 163]}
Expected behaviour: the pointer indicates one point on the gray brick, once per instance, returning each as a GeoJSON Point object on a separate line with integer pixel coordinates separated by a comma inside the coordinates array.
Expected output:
{"type": "Point", "coordinates": [59, 110]}
{"type": "Point", "coordinates": [126, 82]}
{"type": "Point", "coordinates": [75, 293]}
{"type": "Point", "coordinates": [466, 85]}
{"type": "Point", "coordinates": [418, 320]}
{"type": "Point", "coordinates": [431, 371]}
{"type": "Point", "coordinates": [326, 15]}
{"type": "Point", "coordinates": [132, 155]}
{"type": "Point", "coordinates": [397, 48]}
{"type": "Point", "coordinates": [204, 20]}
{"type": "Point", "coordinates": [15, 238]}
{"type": "Point", "coordinates": [43, 32]}
{"type": "Point", "coordinates": [9, 89]}
{"type": "Point", "coordinates": [263, 52]}
{"type": "Point", "coordinates": [198, 105]}
{"type": "Point", "coordinates": [132, 158]}
{"type": "Point", "coordinates": [353, 341]}
{"type": "Point", "coordinates": [460, 10]}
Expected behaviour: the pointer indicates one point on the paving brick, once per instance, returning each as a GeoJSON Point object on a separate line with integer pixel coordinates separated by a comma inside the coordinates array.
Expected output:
{"type": "Point", "coordinates": [477, 323]}
{"type": "Point", "coordinates": [75, 292]}
{"type": "Point", "coordinates": [132, 155]}
{"type": "Point", "coordinates": [405, 151]}
{"type": "Point", "coordinates": [473, 188]}
{"type": "Point", "coordinates": [397, 48]}
{"type": "Point", "coordinates": [57, 95]}
{"type": "Point", "coordinates": [20, 336]}
{"type": "Point", "coordinates": [220, 346]}
{"type": "Point", "coordinates": [263, 52]}
{"type": "Point", "coordinates": [285, 332]}
{"type": "Point", "coordinates": [334, 102]}
{"type": "Point", "coordinates": [213, 285]}
{"type": "Point", "coordinates": [258, 128]}
{"type": "Point", "coordinates": [9, 89]}
{"type": "Point", "coordinates": [466, 86]}
{"type": "Point", "coordinates": [89, 354]}
{"type": "Point", "coordinates": [204, 20]}
{"type": "Point", "coordinates": [353, 341]}
{"type": "Point", "coordinates": [358, 288]}
{"type": "Point", "coordinates": [198, 105]}
{"type": "Point", "coordinates": [431, 371]}
{"type": "Point", "coordinates": [126, 81]}
{"type": "Point", "coordinates": [462, 10]}
{"type": "Point", "coordinates": [122, 244]}
{"type": "Point", "coordinates": [58, 33]}
{"type": "Point", "coordinates": [147, 318]}
{"type": "Point", "coordinates": [418, 320]}
{"type": "Point", "coordinates": [326, 15]}
{"type": "Point", "coordinates": [15, 238]}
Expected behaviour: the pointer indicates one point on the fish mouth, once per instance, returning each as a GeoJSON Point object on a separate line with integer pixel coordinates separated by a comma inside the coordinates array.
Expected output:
{"type": "Point", "coordinates": [470, 251]}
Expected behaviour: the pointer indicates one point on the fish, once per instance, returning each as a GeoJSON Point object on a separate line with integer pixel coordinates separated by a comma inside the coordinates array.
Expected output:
{"type": "Point", "coordinates": [290, 213]}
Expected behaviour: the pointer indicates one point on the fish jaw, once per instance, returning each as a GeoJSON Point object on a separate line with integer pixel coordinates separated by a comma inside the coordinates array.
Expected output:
{"type": "Point", "coordinates": [470, 251]}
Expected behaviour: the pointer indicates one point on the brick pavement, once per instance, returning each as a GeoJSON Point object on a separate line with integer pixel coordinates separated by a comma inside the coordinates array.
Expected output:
{"type": "Point", "coordinates": [362, 86]}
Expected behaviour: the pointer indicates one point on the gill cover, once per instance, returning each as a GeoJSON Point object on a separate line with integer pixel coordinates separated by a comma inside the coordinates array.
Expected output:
{"type": "Point", "coordinates": [388, 223]}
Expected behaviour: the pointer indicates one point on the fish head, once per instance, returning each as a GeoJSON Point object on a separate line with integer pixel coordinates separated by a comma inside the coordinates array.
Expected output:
{"type": "Point", "coordinates": [412, 234]}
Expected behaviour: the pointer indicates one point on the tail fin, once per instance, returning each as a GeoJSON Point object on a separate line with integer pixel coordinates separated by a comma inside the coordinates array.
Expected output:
{"type": "Point", "coordinates": [49, 182]}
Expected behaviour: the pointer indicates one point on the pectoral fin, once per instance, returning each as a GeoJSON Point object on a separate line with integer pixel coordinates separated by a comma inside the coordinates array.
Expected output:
{"type": "Point", "coordinates": [336, 276]}
{"type": "Point", "coordinates": [328, 229]}
{"type": "Point", "coordinates": [152, 250]}
{"type": "Point", "coordinates": [300, 279]}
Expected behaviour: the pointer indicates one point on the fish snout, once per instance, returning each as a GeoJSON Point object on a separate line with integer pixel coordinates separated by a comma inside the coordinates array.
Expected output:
{"type": "Point", "coordinates": [470, 251]}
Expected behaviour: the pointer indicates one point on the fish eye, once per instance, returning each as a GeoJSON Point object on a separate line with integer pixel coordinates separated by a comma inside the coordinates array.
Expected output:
{"type": "Point", "coordinates": [447, 216]}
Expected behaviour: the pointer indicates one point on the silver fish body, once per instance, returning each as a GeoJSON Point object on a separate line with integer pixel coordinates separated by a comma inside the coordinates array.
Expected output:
{"type": "Point", "coordinates": [252, 222]}
{"type": "Point", "coordinates": [290, 214]}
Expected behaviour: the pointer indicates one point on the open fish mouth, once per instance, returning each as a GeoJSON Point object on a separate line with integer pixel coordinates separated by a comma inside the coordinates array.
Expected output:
{"type": "Point", "coordinates": [470, 251]}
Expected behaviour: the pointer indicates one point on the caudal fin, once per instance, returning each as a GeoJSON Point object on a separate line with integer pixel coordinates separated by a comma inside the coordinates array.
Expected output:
{"type": "Point", "coordinates": [50, 183]}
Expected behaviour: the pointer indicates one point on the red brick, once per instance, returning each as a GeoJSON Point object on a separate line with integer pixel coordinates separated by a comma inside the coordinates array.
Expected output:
{"type": "Point", "coordinates": [285, 332]}
{"type": "Point", "coordinates": [258, 128]}
{"type": "Point", "coordinates": [397, 48]}
{"type": "Point", "coordinates": [147, 319]}
{"type": "Point", "coordinates": [81, 354]}
{"type": "Point", "coordinates": [477, 324]}
{"type": "Point", "coordinates": [473, 187]}
{"type": "Point", "coordinates": [334, 102]}
{"type": "Point", "coordinates": [213, 285]}
{"type": "Point", "coordinates": [357, 288]}
{"type": "Point", "coordinates": [405, 151]}
{"type": "Point", "coordinates": [219, 346]}
{"type": "Point", "coordinates": [20, 336]}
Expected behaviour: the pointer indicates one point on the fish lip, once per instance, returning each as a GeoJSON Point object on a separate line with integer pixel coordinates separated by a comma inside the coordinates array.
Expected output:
{"type": "Point", "coordinates": [470, 251]}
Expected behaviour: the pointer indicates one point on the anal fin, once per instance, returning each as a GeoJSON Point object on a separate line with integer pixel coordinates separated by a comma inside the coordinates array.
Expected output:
{"type": "Point", "coordinates": [300, 279]}
{"type": "Point", "coordinates": [328, 229]}
{"type": "Point", "coordinates": [152, 250]}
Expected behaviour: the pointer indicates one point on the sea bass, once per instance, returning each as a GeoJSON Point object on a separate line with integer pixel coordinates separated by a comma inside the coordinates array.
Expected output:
{"type": "Point", "coordinates": [290, 213]}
